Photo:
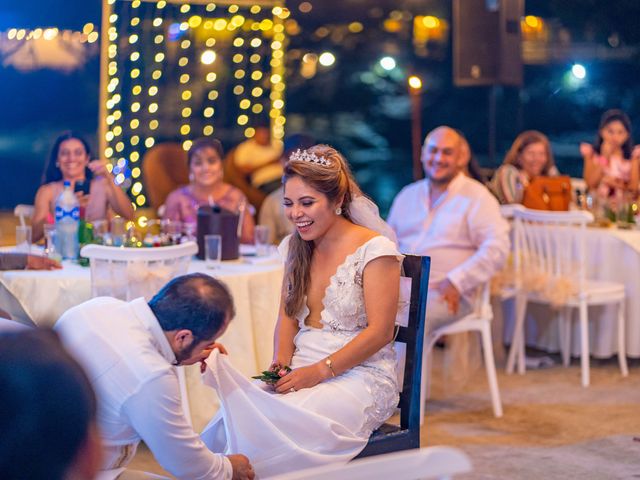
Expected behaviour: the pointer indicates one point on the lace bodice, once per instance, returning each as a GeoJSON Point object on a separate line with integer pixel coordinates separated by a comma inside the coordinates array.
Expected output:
{"type": "Point", "coordinates": [343, 318]}
{"type": "Point", "coordinates": [344, 298]}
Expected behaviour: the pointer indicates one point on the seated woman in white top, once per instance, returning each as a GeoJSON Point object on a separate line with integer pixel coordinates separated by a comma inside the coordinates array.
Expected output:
{"type": "Point", "coordinates": [335, 330]}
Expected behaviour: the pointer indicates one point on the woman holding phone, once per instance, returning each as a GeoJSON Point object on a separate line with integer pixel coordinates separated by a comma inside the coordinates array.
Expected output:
{"type": "Point", "coordinates": [91, 180]}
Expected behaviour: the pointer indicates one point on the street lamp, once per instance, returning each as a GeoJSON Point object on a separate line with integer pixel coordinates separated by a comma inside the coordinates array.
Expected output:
{"type": "Point", "coordinates": [415, 95]}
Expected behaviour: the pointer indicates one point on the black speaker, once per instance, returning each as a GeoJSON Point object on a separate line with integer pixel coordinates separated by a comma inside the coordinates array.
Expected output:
{"type": "Point", "coordinates": [487, 44]}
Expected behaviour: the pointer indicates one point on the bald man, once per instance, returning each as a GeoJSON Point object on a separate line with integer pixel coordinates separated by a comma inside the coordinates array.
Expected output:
{"type": "Point", "coordinates": [456, 221]}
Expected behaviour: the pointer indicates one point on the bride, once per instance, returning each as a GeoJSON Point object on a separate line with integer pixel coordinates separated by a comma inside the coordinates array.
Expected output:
{"type": "Point", "coordinates": [335, 328]}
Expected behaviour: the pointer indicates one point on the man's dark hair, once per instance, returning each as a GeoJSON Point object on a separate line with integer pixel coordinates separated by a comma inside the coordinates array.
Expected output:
{"type": "Point", "coordinates": [195, 302]}
{"type": "Point", "coordinates": [46, 406]}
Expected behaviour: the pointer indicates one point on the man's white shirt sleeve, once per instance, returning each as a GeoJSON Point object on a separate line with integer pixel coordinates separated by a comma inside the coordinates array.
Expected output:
{"type": "Point", "coordinates": [155, 412]}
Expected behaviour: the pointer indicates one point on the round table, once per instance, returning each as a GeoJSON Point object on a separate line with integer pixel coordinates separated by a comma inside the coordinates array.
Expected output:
{"type": "Point", "coordinates": [40, 297]}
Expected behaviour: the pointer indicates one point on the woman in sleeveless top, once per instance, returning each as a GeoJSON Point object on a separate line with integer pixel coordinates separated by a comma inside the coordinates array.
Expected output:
{"type": "Point", "coordinates": [611, 163]}
{"type": "Point", "coordinates": [335, 331]}
{"type": "Point", "coordinates": [206, 187]}
{"type": "Point", "coordinates": [70, 160]}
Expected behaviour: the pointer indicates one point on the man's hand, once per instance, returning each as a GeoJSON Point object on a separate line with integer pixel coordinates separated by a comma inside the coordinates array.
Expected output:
{"type": "Point", "coordinates": [449, 294]}
{"type": "Point", "coordinates": [242, 469]}
{"type": "Point", "coordinates": [207, 351]}
{"type": "Point", "coordinates": [35, 262]}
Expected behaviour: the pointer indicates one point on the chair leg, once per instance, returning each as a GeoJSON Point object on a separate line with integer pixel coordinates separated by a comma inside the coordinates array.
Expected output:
{"type": "Point", "coordinates": [490, 365]}
{"type": "Point", "coordinates": [517, 341]}
{"type": "Point", "coordinates": [564, 327]}
{"type": "Point", "coordinates": [584, 344]}
{"type": "Point", "coordinates": [426, 378]}
{"type": "Point", "coordinates": [622, 347]}
{"type": "Point", "coordinates": [429, 373]}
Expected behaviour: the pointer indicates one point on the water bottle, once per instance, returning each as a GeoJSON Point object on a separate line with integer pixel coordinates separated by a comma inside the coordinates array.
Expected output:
{"type": "Point", "coordinates": [67, 221]}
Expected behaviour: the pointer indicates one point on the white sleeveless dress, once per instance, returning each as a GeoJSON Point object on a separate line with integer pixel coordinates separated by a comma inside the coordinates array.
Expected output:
{"type": "Point", "coordinates": [328, 423]}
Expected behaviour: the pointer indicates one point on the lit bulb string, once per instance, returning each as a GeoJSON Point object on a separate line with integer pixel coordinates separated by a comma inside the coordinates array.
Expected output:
{"type": "Point", "coordinates": [147, 88]}
{"type": "Point", "coordinates": [184, 77]}
{"type": "Point", "coordinates": [210, 79]}
{"type": "Point", "coordinates": [22, 35]}
{"type": "Point", "coordinates": [132, 62]}
{"type": "Point", "coordinates": [277, 85]}
{"type": "Point", "coordinates": [113, 86]}
{"type": "Point", "coordinates": [255, 80]}
{"type": "Point", "coordinates": [117, 87]}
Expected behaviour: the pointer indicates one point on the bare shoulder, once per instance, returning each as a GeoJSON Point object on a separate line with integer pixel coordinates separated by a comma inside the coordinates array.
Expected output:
{"type": "Point", "coordinates": [360, 235]}
{"type": "Point", "coordinates": [46, 191]}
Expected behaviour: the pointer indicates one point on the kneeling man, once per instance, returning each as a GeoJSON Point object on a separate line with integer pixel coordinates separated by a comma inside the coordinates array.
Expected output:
{"type": "Point", "coordinates": [130, 351]}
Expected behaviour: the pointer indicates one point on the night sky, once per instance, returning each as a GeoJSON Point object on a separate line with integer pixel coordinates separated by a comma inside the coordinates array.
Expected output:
{"type": "Point", "coordinates": [68, 14]}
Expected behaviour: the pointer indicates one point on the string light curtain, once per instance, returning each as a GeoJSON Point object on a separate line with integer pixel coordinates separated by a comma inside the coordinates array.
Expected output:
{"type": "Point", "coordinates": [178, 70]}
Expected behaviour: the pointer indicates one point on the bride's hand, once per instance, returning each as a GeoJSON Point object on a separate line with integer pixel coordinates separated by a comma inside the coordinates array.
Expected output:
{"type": "Point", "coordinates": [278, 362]}
{"type": "Point", "coordinates": [304, 377]}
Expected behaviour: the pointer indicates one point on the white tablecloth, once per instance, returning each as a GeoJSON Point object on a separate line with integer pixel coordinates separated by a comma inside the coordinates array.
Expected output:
{"type": "Point", "coordinates": [613, 255]}
{"type": "Point", "coordinates": [40, 297]}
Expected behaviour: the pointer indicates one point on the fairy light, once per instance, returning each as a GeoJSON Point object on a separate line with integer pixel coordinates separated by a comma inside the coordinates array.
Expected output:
{"type": "Point", "coordinates": [253, 49]}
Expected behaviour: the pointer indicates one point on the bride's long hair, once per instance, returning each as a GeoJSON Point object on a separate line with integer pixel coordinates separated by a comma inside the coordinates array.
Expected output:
{"type": "Point", "coordinates": [336, 182]}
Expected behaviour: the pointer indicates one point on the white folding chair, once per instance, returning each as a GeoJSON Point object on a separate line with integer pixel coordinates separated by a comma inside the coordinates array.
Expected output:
{"type": "Point", "coordinates": [425, 463]}
{"type": "Point", "coordinates": [551, 261]}
{"type": "Point", "coordinates": [23, 211]}
{"type": "Point", "coordinates": [480, 321]}
{"type": "Point", "coordinates": [128, 273]}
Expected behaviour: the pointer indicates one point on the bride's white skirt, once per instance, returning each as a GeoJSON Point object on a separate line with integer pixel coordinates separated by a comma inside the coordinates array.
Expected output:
{"type": "Point", "coordinates": [328, 423]}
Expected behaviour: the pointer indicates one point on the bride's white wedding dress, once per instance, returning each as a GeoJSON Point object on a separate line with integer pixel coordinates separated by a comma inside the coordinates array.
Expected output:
{"type": "Point", "coordinates": [328, 423]}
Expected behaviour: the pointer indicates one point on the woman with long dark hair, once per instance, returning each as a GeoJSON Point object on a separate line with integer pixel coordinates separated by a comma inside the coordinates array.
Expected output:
{"type": "Point", "coordinates": [611, 164]}
{"type": "Point", "coordinates": [335, 330]}
{"type": "Point", "coordinates": [97, 193]}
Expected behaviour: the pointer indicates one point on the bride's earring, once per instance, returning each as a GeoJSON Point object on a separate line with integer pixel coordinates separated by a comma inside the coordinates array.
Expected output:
{"type": "Point", "coordinates": [191, 177]}
{"type": "Point", "coordinates": [339, 211]}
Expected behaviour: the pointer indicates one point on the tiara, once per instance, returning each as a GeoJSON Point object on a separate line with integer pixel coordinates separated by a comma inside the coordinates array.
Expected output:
{"type": "Point", "coordinates": [306, 156]}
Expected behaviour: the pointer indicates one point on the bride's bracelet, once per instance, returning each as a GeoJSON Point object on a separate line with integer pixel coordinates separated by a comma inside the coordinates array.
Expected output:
{"type": "Point", "coordinates": [329, 363]}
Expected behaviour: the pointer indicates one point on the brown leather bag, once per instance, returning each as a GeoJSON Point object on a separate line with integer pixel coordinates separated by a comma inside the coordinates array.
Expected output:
{"type": "Point", "coordinates": [548, 193]}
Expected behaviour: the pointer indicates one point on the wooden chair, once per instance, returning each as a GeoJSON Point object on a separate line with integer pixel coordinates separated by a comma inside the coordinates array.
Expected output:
{"type": "Point", "coordinates": [389, 437]}
{"type": "Point", "coordinates": [164, 168]}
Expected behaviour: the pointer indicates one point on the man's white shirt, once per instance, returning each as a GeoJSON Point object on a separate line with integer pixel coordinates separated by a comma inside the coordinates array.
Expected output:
{"type": "Point", "coordinates": [129, 362]}
{"type": "Point", "coordinates": [463, 232]}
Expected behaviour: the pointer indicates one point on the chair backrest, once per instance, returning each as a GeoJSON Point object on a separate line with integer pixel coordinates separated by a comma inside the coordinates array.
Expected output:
{"type": "Point", "coordinates": [550, 250]}
{"type": "Point", "coordinates": [164, 168]}
{"type": "Point", "coordinates": [23, 211]}
{"type": "Point", "coordinates": [128, 273]}
{"type": "Point", "coordinates": [412, 336]}
{"type": "Point", "coordinates": [507, 210]}
{"type": "Point", "coordinates": [426, 463]}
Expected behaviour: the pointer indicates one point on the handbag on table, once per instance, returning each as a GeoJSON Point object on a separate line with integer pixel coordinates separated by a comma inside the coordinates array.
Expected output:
{"type": "Point", "coordinates": [548, 193]}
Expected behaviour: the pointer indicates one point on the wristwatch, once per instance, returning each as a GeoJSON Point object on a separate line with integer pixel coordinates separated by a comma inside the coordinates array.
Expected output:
{"type": "Point", "coordinates": [329, 363]}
